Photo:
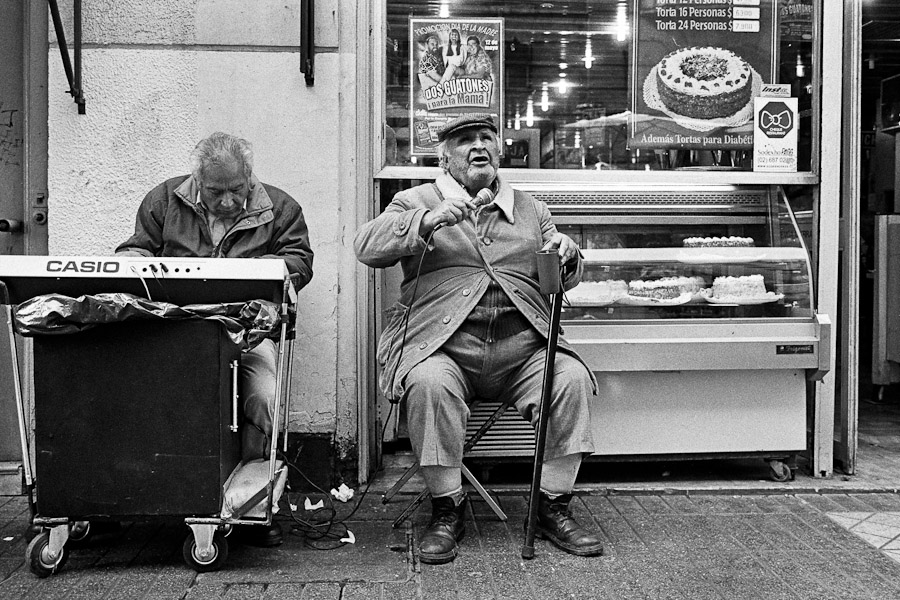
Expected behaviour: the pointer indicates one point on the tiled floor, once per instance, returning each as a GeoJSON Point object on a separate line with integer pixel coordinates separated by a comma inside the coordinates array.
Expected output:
{"type": "Point", "coordinates": [880, 529]}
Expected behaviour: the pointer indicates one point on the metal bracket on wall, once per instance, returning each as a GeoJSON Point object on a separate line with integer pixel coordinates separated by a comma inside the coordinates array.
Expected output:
{"type": "Point", "coordinates": [73, 75]}
{"type": "Point", "coordinates": [307, 40]}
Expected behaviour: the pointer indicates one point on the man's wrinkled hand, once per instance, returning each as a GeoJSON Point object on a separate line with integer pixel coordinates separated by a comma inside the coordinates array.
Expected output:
{"type": "Point", "coordinates": [450, 212]}
{"type": "Point", "coordinates": [565, 247]}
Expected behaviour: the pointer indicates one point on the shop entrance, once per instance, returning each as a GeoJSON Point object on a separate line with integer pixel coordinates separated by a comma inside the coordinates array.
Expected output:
{"type": "Point", "coordinates": [879, 208]}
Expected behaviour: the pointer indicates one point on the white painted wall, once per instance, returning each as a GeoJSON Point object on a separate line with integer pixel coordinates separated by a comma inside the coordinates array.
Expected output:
{"type": "Point", "coordinates": [159, 75]}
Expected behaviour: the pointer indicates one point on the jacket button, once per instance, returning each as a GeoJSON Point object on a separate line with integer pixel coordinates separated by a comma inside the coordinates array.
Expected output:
{"type": "Point", "coordinates": [446, 320]}
{"type": "Point", "coordinates": [466, 292]}
{"type": "Point", "coordinates": [487, 241]}
{"type": "Point", "coordinates": [423, 345]}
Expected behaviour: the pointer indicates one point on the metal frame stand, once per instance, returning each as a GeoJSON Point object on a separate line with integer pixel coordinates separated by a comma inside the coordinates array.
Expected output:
{"type": "Point", "coordinates": [470, 443]}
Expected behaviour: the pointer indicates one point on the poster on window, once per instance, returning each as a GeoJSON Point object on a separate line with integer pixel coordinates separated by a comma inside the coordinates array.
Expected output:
{"type": "Point", "coordinates": [456, 68]}
{"type": "Point", "coordinates": [698, 65]}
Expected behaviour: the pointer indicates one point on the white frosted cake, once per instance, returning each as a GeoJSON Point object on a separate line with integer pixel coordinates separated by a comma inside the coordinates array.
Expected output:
{"type": "Point", "coordinates": [732, 241]}
{"type": "Point", "coordinates": [666, 288]}
{"type": "Point", "coordinates": [603, 292]}
{"type": "Point", "coordinates": [745, 286]}
{"type": "Point", "coordinates": [704, 82]}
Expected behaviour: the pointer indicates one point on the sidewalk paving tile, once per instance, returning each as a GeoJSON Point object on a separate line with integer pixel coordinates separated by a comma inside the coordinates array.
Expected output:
{"type": "Point", "coordinates": [724, 546]}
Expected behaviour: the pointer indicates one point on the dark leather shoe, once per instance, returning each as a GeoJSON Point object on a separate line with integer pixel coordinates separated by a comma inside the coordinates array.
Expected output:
{"type": "Point", "coordinates": [555, 523]}
{"type": "Point", "coordinates": [447, 527]}
{"type": "Point", "coordinates": [263, 536]}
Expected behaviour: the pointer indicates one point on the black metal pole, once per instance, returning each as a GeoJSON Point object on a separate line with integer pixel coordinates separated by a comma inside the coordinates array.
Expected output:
{"type": "Point", "coordinates": [63, 49]}
{"type": "Point", "coordinates": [543, 420]}
{"type": "Point", "coordinates": [79, 92]}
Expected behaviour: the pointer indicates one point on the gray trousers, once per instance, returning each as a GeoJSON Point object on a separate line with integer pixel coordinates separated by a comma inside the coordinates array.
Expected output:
{"type": "Point", "coordinates": [440, 388]}
{"type": "Point", "coordinates": [257, 389]}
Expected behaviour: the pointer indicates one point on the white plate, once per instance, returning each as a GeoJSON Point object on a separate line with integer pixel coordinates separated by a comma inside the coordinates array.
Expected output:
{"type": "Point", "coordinates": [636, 301]}
{"type": "Point", "coordinates": [769, 297]}
{"type": "Point", "coordinates": [710, 256]}
{"type": "Point", "coordinates": [586, 302]}
{"type": "Point", "coordinates": [740, 118]}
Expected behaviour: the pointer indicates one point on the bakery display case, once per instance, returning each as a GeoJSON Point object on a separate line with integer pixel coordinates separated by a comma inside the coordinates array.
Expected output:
{"type": "Point", "coordinates": [697, 315]}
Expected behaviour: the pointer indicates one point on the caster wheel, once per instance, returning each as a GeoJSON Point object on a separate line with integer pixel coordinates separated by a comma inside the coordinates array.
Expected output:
{"type": "Point", "coordinates": [31, 531]}
{"type": "Point", "coordinates": [80, 533]}
{"type": "Point", "coordinates": [217, 556]}
{"type": "Point", "coordinates": [780, 471]}
{"type": "Point", "coordinates": [38, 555]}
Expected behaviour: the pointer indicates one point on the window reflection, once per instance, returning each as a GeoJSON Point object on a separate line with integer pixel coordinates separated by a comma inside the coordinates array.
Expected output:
{"type": "Point", "coordinates": [567, 83]}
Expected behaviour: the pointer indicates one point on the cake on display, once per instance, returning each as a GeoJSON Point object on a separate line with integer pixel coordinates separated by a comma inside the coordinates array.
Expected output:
{"type": "Point", "coordinates": [718, 242]}
{"type": "Point", "coordinates": [666, 288]}
{"type": "Point", "coordinates": [743, 287]}
{"type": "Point", "coordinates": [704, 82]}
{"type": "Point", "coordinates": [597, 292]}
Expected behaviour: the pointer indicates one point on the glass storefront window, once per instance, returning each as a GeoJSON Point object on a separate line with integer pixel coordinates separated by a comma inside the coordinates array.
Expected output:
{"type": "Point", "coordinates": [602, 84]}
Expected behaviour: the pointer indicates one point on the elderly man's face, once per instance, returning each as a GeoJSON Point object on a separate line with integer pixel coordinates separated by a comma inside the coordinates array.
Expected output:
{"type": "Point", "coordinates": [432, 44]}
{"type": "Point", "coordinates": [473, 156]}
{"type": "Point", "coordinates": [224, 188]}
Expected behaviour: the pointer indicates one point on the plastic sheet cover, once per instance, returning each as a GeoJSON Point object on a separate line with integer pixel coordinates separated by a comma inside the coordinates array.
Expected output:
{"type": "Point", "coordinates": [247, 323]}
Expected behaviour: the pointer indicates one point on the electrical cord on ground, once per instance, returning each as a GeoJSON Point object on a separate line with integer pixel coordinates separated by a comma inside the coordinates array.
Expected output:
{"type": "Point", "coordinates": [322, 530]}
{"type": "Point", "coordinates": [328, 530]}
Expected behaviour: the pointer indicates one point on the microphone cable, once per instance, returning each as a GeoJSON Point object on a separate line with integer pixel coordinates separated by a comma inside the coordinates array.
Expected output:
{"type": "Point", "coordinates": [412, 301]}
{"type": "Point", "coordinates": [316, 532]}
{"type": "Point", "coordinates": [483, 197]}
{"type": "Point", "coordinates": [322, 531]}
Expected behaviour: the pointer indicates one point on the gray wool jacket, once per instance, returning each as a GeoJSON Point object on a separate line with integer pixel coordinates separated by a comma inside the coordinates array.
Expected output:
{"type": "Point", "coordinates": [455, 270]}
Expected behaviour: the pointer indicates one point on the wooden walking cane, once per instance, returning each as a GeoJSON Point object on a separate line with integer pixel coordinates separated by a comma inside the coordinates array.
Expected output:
{"type": "Point", "coordinates": [548, 273]}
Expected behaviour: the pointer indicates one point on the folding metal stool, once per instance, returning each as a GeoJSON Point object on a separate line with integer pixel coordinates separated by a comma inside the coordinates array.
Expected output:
{"type": "Point", "coordinates": [467, 447]}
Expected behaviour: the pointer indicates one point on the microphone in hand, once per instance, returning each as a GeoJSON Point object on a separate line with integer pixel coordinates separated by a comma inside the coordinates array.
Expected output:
{"type": "Point", "coordinates": [484, 197]}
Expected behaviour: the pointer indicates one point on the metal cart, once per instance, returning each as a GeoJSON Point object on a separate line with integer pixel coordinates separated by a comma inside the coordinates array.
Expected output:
{"type": "Point", "coordinates": [140, 420]}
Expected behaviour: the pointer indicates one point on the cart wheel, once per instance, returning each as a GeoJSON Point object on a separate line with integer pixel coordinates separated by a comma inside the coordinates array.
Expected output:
{"type": "Point", "coordinates": [38, 556]}
{"type": "Point", "coordinates": [80, 533]}
{"type": "Point", "coordinates": [780, 471]}
{"type": "Point", "coordinates": [213, 562]}
{"type": "Point", "coordinates": [31, 531]}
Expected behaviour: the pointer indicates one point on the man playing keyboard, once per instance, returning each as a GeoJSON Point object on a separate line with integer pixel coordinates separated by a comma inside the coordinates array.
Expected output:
{"type": "Point", "coordinates": [222, 210]}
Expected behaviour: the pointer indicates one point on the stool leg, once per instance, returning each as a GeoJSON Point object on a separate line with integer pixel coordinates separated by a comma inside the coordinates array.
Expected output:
{"type": "Point", "coordinates": [400, 483]}
{"type": "Point", "coordinates": [410, 509]}
{"type": "Point", "coordinates": [484, 493]}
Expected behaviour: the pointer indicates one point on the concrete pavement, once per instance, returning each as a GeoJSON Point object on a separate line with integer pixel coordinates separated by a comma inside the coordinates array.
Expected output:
{"type": "Point", "coordinates": [677, 544]}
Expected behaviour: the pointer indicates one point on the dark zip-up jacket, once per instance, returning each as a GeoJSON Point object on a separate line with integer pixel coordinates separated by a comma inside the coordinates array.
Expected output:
{"type": "Point", "coordinates": [170, 223]}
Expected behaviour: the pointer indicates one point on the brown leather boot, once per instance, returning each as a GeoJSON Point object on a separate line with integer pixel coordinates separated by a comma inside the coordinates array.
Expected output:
{"type": "Point", "coordinates": [555, 523]}
{"type": "Point", "coordinates": [438, 545]}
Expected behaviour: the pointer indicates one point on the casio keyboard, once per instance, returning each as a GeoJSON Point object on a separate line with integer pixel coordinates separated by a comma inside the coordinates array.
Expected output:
{"type": "Point", "coordinates": [177, 280]}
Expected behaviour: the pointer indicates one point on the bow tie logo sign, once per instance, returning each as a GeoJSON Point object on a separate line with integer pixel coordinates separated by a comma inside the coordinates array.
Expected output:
{"type": "Point", "coordinates": [775, 119]}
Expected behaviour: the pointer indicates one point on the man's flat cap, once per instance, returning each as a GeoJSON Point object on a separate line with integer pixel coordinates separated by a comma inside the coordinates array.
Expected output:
{"type": "Point", "coordinates": [467, 121]}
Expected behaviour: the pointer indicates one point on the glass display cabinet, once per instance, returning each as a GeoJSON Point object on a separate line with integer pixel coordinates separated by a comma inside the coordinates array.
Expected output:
{"type": "Point", "coordinates": [696, 313]}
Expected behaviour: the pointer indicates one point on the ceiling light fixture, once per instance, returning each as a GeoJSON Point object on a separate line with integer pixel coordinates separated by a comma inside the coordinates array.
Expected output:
{"type": "Point", "coordinates": [588, 54]}
{"type": "Point", "coordinates": [621, 21]}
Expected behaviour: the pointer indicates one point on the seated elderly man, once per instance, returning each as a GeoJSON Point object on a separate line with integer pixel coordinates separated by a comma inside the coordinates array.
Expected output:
{"type": "Point", "coordinates": [222, 210]}
{"type": "Point", "coordinates": [471, 321]}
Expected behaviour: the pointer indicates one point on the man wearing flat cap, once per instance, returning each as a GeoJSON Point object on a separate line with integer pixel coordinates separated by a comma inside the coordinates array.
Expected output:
{"type": "Point", "coordinates": [471, 322]}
